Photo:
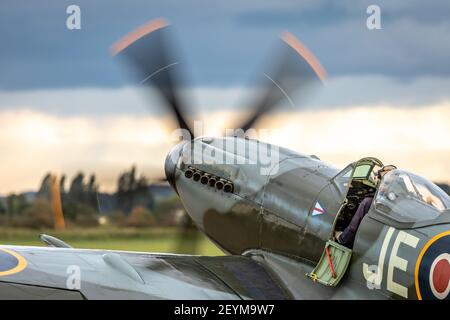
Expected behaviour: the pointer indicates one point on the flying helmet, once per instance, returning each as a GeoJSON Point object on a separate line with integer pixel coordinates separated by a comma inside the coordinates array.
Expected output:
{"type": "Point", "coordinates": [385, 169]}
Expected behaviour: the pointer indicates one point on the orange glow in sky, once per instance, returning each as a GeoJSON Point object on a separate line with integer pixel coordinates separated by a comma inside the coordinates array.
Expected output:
{"type": "Point", "coordinates": [33, 143]}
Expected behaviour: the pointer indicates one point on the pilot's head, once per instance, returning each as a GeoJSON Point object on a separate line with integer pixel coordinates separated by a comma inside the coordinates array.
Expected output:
{"type": "Point", "coordinates": [384, 170]}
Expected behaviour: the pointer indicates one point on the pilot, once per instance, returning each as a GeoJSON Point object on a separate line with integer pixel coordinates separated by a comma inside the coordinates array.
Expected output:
{"type": "Point", "coordinates": [347, 236]}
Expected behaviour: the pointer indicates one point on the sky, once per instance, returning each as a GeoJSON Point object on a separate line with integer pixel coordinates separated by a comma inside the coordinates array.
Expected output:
{"type": "Point", "coordinates": [67, 105]}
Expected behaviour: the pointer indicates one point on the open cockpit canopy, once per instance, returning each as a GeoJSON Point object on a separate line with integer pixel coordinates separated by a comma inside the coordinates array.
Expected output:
{"type": "Point", "coordinates": [364, 170]}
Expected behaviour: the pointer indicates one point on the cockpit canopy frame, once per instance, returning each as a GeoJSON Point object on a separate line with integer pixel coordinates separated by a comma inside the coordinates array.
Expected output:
{"type": "Point", "coordinates": [405, 200]}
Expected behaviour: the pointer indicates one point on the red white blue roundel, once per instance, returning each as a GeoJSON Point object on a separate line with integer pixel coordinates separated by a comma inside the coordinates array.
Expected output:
{"type": "Point", "coordinates": [433, 269]}
{"type": "Point", "coordinates": [440, 276]}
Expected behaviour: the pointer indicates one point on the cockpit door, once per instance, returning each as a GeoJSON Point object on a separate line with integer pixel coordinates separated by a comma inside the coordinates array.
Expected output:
{"type": "Point", "coordinates": [332, 265]}
{"type": "Point", "coordinates": [336, 258]}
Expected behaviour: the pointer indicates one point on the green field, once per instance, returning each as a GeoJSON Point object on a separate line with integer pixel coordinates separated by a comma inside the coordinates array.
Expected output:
{"type": "Point", "coordinates": [147, 240]}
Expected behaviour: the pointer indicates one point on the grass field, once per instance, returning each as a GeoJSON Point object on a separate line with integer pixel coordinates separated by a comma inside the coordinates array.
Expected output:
{"type": "Point", "coordinates": [148, 240]}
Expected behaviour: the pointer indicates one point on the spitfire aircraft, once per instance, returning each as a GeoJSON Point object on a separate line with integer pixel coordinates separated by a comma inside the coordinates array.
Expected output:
{"type": "Point", "coordinates": [276, 222]}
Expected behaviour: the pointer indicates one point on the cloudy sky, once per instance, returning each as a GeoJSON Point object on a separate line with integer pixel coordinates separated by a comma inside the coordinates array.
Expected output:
{"type": "Point", "coordinates": [66, 105]}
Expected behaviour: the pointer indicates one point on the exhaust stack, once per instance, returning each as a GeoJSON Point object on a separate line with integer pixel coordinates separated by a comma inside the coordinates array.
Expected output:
{"type": "Point", "coordinates": [212, 181]}
{"type": "Point", "coordinates": [204, 179]}
{"type": "Point", "coordinates": [228, 187]}
{"type": "Point", "coordinates": [197, 175]}
{"type": "Point", "coordinates": [189, 173]}
{"type": "Point", "coordinates": [219, 184]}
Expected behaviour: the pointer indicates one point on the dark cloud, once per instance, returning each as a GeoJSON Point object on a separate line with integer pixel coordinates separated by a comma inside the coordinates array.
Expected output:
{"type": "Point", "coordinates": [223, 42]}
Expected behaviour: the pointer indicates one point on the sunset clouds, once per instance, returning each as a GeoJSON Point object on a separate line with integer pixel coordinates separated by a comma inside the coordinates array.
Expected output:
{"type": "Point", "coordinates": [34, 143]}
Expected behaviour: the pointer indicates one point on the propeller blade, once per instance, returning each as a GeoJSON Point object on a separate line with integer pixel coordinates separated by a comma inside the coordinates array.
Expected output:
{"type": "Point", "coordinates": [147, 49]}
{"type": "Point", "coordinates": [298, 69]}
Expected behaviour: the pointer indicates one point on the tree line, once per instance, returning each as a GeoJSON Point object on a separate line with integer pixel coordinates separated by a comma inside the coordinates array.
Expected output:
{"type": "Point", "coordinates": [131, 204]}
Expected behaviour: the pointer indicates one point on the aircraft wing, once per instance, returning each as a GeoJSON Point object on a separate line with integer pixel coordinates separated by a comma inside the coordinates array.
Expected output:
{"type": "Point", "coordinates": [66, 273]}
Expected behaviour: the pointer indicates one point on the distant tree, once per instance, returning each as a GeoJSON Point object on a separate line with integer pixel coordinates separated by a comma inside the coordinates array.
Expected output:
{"type": "Point", "coordinates": [86, 215]}
{"type": "Point", "coordinates": [92, 189]}
{"type": "Point", "coordinates": [62, 184]}
{"type": "Point", "coordinates": [62, 189]}
{"type": "Point", "coordinates": [2, 209]}
{"type": "Point", "coordinates": [131, 179]}
{"type": "Point", "coordinates": [118, 218]}
{"type": "Point", "coordinates": [142, 182]}
{"type": "Point", "coordinates": [125, 190]}
{"type": "Point", "coordinates": [80, 202]}
{"type": "Point", "coordinates": [92, 186]}
{"type": "Point", "coordinates": [140, 217]}
{"type": "Point", "coordinates": [167, 211]}
{"type": "Point", "coordinates": [127, 181]}
{"type": "Point", "coordinates": [16, 204]}
{"type": "Point", "coordinates": [44, 189]}
{"type": "Point", "coordinates": [77, 189]}
{"type": "Point", "coordinates": [143, 196]}
{"type": "Point", "coordinates": [38, 215]}
{"type": "Point", "coordinates": [133, 192]}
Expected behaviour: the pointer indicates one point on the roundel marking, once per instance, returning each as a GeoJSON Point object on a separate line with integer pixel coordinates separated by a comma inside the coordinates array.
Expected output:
{"type": "Point", "coordinates": [440, 276]}
{"type": "Point", "coordinates": [432, 271]}
{"type": "Point", "coordinates": [11, 262]}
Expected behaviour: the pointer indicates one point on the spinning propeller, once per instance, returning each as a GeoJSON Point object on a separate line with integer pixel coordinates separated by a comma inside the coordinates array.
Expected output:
{"type": "Point", "coordinates": [153, 63]}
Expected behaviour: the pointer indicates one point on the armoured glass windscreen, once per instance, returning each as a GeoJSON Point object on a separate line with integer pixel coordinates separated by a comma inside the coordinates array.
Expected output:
{"type": "Point", "coordinates": [362, 171]}
{"type": "Point", "coordinates": [347, 172]}
{"type": "Point", "coordinates": [406, 197]}
{"type": "Point", "coordinates": [343, 178]}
